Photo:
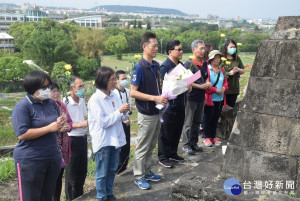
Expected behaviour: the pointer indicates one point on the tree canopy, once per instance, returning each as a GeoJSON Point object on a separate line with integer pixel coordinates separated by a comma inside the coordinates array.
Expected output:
{"type": "Point", "coordinates": [48, 42]}
{"type": "Point", "coordinates": [117, 44]}
{"type": "Point", "coordinates": [49, 47]}
{"type": "Point", "coordinates": [12, 69]}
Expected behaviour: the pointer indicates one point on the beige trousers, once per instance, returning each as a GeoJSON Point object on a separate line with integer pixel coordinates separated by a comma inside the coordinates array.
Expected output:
{"type": "Point", "coordinates": [149, 127]}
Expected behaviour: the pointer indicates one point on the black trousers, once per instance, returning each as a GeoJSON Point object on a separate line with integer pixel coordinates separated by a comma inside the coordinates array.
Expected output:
{"type": "Point", "coordinates": [170, 133]}
{"type": "Point", "coordinates": [56, 196]}
{"type": "Point", "coordinates": [77, 168]}
{"type": "Point", "coordinates": [125, 150]}
{"type": "Point", "coordinates": [37, 180]}
{"type": "Point", "coordinates": [211, 117]}
{"type": "Point", "coordinates": [231, 99]}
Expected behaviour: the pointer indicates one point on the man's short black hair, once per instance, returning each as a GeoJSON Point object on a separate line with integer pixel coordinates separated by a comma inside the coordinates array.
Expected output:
{"type": "Point", "coordinates": [34, 80]}
{"type": "Point", "coordinates": [102, 77]}
{"type": "Point", "coordinates": [146, 38]}
{"type": "Point", "coordinates": [172, 44]}
{"type": "Point", "coordinates": [119, 72]}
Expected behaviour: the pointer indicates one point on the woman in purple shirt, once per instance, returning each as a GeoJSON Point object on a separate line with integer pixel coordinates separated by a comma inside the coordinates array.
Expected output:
{"type": "Point", "coordinates": [63, 138]}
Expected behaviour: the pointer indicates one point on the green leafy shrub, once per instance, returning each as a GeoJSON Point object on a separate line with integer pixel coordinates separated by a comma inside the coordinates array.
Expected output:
{"type": "Point", "coordinates": [58, 69]}
{"type": "Point", "coordinates": [8, 89]}
{"type": "Point", "coordinates": [7, 169]}
{"type": "Point", "coordinates": [12, 69]}
{"type": "Point", "coordinates": [86, 68]}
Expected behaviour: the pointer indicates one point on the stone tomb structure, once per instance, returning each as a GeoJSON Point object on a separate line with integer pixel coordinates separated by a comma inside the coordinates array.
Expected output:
{"type": "Point", "coordinates": [265, 140]}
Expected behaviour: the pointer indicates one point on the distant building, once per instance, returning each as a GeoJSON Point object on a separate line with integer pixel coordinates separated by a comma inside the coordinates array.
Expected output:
{"type": "Point", "coordinates": [225, 24]}
{"type": "Point", "coordinates": [116, 24]}
{"type": "Point", "coordinates": [73, 15]}
{"type": "Point", "coordinates": [55, 17]}
{"type": "Point", "coordinates": [35, 14]}
{"type": "Point", "coordinates": [159, 26]}
{"type": "Point", "coordinates": [7, 19]}
{"type": "Point", "coordinates": [94, 21]}
{"type": "Point", "coordinates": [7, 43]}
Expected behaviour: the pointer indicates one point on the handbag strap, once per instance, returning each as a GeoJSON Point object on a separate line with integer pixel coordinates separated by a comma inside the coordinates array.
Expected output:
{"type": "Point", "coordinates": [215, 84]}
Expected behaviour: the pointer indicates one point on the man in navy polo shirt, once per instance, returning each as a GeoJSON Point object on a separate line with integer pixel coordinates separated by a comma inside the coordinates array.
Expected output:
{"type": "Point", "coordinates": [146, 89]}
{"type": "Point", "coordinates": [195, 99]}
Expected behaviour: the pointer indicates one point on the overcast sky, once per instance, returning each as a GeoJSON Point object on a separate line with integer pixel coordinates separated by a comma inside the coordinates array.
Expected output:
{"type": "Point", "coordinates": [223, 8]}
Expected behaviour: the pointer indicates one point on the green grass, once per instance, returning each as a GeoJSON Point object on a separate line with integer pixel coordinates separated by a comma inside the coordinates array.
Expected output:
{"type": "Point", "coordinates": [116, 64]}
{"type": "Point", "coordinates": [91, 169]}
{"type": "Point", "coordinates": [7, 135]}
{"type": "Point", "coordinates": [7, 170]}
{"type": "Point", "coordinates": [247, 58]}
{"type": "Point", "coordinates": [243, 82]}
{"type": "Point", "coordinates": [131, 155]}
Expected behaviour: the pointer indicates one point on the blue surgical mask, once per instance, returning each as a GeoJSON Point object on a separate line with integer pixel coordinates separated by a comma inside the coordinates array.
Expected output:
{"type": "Point", "coordinates": [123, 83]}
{"type": "Point", "coordinates": [80, 93]}
{"type": "Point", "coordinates": [231, 50]}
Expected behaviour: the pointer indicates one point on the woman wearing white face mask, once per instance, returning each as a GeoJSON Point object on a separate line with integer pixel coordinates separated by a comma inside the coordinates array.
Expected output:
{"type": "Point", "coordinates": [36, 120]}
{"type": "Point", "coordinates": [237, 67]}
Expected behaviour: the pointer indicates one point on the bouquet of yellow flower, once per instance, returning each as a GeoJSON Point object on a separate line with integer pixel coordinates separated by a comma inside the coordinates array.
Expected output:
{"type": "Point", "coordinates": [65, 79]}
{"type": "Point", "coordinates": [221, 43]}
{"type": "Point", "coordinates": [226, 65]}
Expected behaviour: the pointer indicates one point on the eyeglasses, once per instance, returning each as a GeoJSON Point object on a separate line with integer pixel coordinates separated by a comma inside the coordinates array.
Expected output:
{"type": "Point", "coordinates": [80, 86]}
{"type": "Point", "coordinates": [179, 49]}
{"type": "Point", "coordinates": [55, 92]}
{"type": "Point", "coordinates": [45, 87]}
{"type": "Point", "coordinates": [113, 79]}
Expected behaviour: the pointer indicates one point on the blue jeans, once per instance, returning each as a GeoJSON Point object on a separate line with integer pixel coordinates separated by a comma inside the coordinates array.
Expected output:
{"type": "Point", "coordinates": [107, 160]}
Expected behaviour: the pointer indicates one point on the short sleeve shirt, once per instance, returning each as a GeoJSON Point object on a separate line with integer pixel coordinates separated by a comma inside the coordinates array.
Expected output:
{"type": "Point", "coordinates": [138, 76]}
{"type": "Point", "coordinates": [234, 80]}
{"type": "Point", "coordinates": [78, 113]}
{"type": "Point", "coordinates": [29, 114]}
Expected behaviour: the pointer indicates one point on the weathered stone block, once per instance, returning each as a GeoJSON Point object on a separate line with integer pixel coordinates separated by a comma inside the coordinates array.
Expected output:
{"type": "Point", "coordinates": [267, 133]}
{"type": "Point", "coordinates": [190, 186]}
{"type": "Point", "coordinates": [250, 165]}
{"type": "Point", "coordinates": [264, 64]}
{"type": "Point", "coordinates": [277, 59]}
{"type": "Point", "coordinates": [287, 28]}
{"type": "Point", "coordinates": [272, 96]}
